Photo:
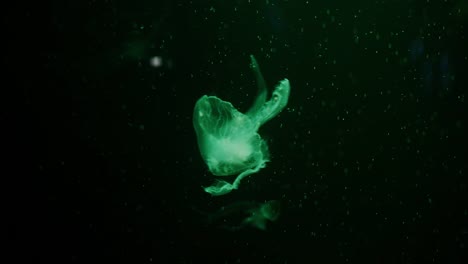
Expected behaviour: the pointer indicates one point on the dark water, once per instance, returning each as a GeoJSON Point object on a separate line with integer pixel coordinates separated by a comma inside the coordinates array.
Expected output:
{"type": "Point", "coordinates": [368, 160]}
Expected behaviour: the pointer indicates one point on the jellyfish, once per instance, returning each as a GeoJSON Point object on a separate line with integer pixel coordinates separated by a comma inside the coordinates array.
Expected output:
{"type": "Point", "coordinates": [228, 140]}
{"type": "Point", "coordinates": [243, 214]}
{"type": "Point", "coordinates": [258, 218]}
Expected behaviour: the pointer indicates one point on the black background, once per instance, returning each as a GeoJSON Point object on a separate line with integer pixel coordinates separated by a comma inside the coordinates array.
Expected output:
{"type": "Point", "coordinates": [369, 159]}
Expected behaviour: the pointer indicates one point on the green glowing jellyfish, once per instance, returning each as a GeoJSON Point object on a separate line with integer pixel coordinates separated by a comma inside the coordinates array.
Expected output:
{"type": "Point", "coordinates": [228, 139]}
{"type": "Point", "coordinates": [243, 214]}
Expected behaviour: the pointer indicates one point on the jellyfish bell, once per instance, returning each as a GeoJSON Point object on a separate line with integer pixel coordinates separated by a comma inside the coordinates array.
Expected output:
{"type": "Point", "coordinates": [231, 145]}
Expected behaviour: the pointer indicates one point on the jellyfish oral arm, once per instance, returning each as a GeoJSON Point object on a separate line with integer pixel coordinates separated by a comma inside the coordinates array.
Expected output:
{"type": "Point", "coordinates": [222, 187]}
{"type": "Point", "coordinates": [273, 107]}
{"type": "Point", "coordinates": [262, 89]}
{"type": "Point", "coordinates": [219, 188]}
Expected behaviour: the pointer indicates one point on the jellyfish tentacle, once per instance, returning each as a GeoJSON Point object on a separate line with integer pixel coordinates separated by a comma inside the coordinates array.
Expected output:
{"type": "Point", "coordinates": [262, 88]}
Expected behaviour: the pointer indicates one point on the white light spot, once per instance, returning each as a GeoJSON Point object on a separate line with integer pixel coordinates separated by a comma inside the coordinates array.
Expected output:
{"type": "Point", "coordinates": [156, 61]}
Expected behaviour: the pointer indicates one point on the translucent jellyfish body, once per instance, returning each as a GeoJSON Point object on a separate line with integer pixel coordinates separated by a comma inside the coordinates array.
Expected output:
{"type": "Point", "coordinates": [228, 139]}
